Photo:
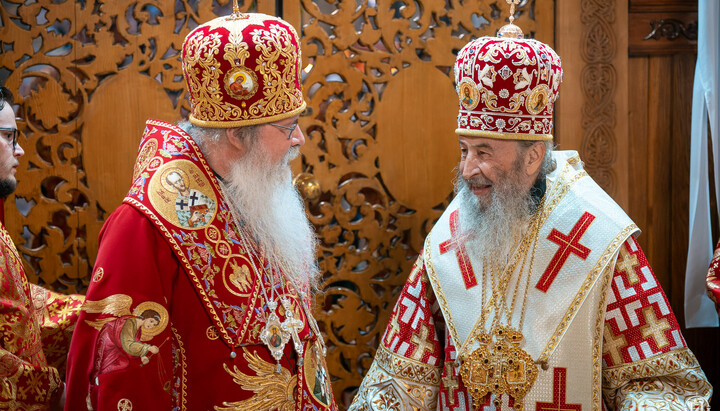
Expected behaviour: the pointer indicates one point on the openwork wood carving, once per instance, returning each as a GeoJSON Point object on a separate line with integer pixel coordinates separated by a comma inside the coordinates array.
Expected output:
{"type": "Point", "coordinates": [598, 82]}
{"type": "Point", "coordinates": [382, 107]}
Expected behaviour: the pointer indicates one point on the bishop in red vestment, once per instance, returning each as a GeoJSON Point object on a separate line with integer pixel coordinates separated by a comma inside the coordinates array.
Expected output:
{"type": "Point", "coordinates": [201, 292]}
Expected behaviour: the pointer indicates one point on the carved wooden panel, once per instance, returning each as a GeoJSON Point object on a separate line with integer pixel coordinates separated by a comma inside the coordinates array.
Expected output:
{"type": "Point", "coordinates": [599, 81]}
{"type": "Point", "coordinates": [381, 142]}
{"type": "Point", "coordinates": [662, 28]}
{"type": "Point", "coordinates": [380, 132]}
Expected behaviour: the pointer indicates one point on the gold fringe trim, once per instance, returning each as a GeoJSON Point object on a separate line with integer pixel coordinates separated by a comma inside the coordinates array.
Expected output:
{"type": "Point", "coordinates": [250, 122]}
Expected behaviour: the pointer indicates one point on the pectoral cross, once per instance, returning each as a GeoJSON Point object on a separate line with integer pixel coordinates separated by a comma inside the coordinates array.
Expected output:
{"type": "Point", "coordinates": [291, 325]}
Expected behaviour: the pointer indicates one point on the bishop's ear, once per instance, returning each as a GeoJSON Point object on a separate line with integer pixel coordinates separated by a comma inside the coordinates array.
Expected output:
{"type": "Point", "coordinates": [233, 138]}
{"type": "Point", "coordinates": [534, 157]}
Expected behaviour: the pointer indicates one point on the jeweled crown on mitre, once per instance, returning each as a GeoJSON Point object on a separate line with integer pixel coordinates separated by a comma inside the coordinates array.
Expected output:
{"type": "Point", "coordinates": [507, 86]}
{"type": "Point", "coordinates": [241, 70]}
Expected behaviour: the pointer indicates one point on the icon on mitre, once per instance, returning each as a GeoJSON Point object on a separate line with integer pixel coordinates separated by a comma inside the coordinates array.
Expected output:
{"type": "Point", "coordinates": [241, 83]}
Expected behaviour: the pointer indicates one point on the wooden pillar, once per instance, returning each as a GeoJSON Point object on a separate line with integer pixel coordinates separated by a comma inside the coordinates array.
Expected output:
{"type": "Point", "coordinates": [591, 113]}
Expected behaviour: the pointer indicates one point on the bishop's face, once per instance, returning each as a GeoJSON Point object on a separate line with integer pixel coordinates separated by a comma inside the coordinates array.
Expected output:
{"type": "Point", "coordinates": [486, 163]}
{"type": "Point", "coordinates": [279, 138]}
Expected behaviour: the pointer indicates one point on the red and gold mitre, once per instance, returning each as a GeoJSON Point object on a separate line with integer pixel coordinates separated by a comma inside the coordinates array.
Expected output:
{"type": "Point", "coordinates": [507, 86]}
{"type": "Point", "coordinates": [241, 70]}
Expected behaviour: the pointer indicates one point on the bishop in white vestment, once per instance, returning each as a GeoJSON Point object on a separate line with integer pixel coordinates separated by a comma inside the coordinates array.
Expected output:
{"type": "Point", "coordinates": [531, 291]}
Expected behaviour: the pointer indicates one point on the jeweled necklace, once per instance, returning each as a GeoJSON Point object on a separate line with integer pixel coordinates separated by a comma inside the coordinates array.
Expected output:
{"type": "Point", "coordinates": [499, 365]}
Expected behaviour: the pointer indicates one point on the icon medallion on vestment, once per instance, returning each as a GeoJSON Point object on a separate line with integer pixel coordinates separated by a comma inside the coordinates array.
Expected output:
{"type": "Point", "coordinates": [182, 195]}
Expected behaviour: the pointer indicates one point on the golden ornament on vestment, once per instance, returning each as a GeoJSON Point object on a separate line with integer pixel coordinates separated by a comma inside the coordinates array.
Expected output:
{"type": "Point", "coordinates": [499, 367]}
{"type": "Point", "coordinates": [275, 389]}
{"type": "Point", "coordinates": [118, 305]}
{"type": "Point", "coordinates": [183, 195]}
{"type": "Point", "coordinates": [315, 373]}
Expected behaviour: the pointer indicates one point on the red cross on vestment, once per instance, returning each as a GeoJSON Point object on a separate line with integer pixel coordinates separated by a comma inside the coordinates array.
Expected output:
{"type": "Point", "coordinates": [457, 242]}
{"type": "Point", "coordinates": [559, 391]}
{"type": "Point", "coordinates": [569, 244]}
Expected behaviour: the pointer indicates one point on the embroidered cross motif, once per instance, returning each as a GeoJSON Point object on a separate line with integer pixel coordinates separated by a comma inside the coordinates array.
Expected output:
{"type": "Point", "coordinates": [421, 343]}
{"type": "Point", "coordinates": [628, 262]}
{"type": "Point", "coordinates": [613, 344]}
{"type": "Point", "coordinates": [655, 328]}
{"type": "Point", "coordinates": [194, 198]}
{"type": "Point", "coordinates": [569, 244]}
{"type": "Point", "coordinates": [450, 382]}
{"type": "Point", "coordinates": [392, 331]}
{"type": "Point", "coordinates": [457, 242]}
{"type": "Point", "coordinates": [182, 204]}
{"type": "Point", "coordinates": [559, 392]}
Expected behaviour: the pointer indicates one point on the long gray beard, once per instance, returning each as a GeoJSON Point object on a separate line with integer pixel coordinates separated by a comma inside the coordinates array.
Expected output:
{"type": "Point", "coordinates": [274, 213]}
{"type": "Point", "coordinates": [496, 229]}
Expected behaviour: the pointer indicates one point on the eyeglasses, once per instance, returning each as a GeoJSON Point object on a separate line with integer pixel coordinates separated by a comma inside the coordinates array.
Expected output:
{"type": "Point", "coordinates": [290, 129]}
{"type": "Point", "coordinates": [10, 135]}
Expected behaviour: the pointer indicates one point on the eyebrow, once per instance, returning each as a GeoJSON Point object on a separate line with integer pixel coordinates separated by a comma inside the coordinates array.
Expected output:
{"type": "Point", "coordinates": [478, 145]}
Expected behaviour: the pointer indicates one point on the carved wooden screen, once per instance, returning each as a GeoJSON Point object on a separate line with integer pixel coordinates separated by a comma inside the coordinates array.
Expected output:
{"type": "Point", "coordinates": [381, 143]}
{"type": "Point", "coordinates": [380, 132]}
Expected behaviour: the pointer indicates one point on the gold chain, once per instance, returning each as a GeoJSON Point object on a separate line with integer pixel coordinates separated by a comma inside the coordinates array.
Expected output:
{"type": "Point", "coordinates": [531, 238]}
{"type": "Point", "coordinates": [520, 255]}
{"type": "Point", "coordinates": [499, 365]}
{"type": "Point", "coordinates": [497, 302]}
{"type": "Point", "coordinates": [527, 284]}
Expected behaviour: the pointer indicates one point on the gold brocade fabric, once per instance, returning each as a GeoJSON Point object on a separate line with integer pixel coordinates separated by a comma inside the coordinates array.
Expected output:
{"type": "Point", "coordinates": [397, 383]}
{"type": "Point", "coordinates": [35, 330]}
{"type": "Point", "coordinates": [677, 381]}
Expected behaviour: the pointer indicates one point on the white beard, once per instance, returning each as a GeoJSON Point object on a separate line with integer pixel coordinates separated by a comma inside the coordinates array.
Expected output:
{"type": "Point", "coordinates": [496, 229]}
{"type": "Point", "coordinates": [274, 213]}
